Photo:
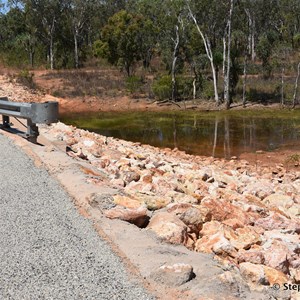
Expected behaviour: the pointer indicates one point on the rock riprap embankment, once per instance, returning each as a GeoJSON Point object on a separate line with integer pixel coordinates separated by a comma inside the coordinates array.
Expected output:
{"type": "Point", "coordinates": [247, 216]}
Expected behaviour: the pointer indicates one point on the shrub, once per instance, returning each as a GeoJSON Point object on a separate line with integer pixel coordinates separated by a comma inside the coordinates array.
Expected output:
{"type": "Point", "coordinates": [208, 90]}
{"type": "Point", "coordinates": [296, 40]}
{"type": "Point", "coordinates": [184, 87]}
{"type": "Point", "coordinates": [162, 87]}
{"type": "Point", "coordinates": [133, 84]}
{"type": "Point", "coordinates": [26, 78]}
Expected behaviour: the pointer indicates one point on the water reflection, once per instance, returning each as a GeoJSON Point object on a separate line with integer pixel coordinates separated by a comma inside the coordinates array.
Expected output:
{"type": "Point", "coordinates": [203, 134]}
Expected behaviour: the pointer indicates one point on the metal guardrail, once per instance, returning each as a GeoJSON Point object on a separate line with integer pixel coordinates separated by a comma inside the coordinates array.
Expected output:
{"type": "Point", "coordinates": [34, 113]}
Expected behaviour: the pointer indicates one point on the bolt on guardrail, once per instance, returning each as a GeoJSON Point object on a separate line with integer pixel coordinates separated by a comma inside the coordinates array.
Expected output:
{"type": "Point", "coordinates": [34, 113]}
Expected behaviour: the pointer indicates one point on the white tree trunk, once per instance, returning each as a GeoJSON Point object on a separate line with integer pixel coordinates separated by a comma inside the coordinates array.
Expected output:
{"type": "Point", "coordinates": [296, 86]}
{"type": "Point", "coordinates": [194, 88]}
{"type": "Point", "coordinates": [282, 87]}
{"type": "Point", "coordinates": [228, 58]}
{"type": "Point", "coordinates": [215, 80]}
{"type": "Point", "coordinates": [51, 53]}
{"type": "Point", "coordinates": [51, 46]}
{"type": "Point", "coordinates": [175, 52]}
{"type": "Point", "coordinates": [208, 51]}
{"type": "Point", "coordinates": [224, 56]}
{"type": "Point", "coordinates": [251, 36]}
{"type": "Point", "coordinates": [253, 53]}
{"type": "Point", "coordinates": [76, 57]}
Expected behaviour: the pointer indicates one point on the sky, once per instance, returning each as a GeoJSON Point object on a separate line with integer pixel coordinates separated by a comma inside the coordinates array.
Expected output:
{"type": "Point", "coordinates": [4, 8]}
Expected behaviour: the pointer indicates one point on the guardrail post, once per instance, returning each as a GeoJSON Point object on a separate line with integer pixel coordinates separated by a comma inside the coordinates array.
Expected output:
{"type": "Point", "coordinates": [5, 119]}
{"type": "Point", "coordinates": [32, 131]}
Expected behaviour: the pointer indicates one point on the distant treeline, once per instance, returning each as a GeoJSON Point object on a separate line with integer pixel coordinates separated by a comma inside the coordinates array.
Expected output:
{"type": "Point", "coordinates": [206, 47]}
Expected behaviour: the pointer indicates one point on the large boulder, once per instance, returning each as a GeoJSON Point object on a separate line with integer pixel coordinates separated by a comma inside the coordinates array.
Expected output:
{"type": "Point", "coordinates": [260, 189]}
{"type": "Point", "coordinates": [253, 273]}
{"type": "Point", "coordinates": [173, 275]}
{"type": "Point", "coordinates": [216, 243]}
{"type": "Point", "coordinates": [222, 210]}
{"type": "Point", "coordinates": [126, 201]}
{"type": "Point", "coordinates": [274, 276]}
{"type": "Point", "coordinates": [169, 227]}
{"type": "Point", "coordinates": [245, 237]}
{"type": "Point", "coordinates": [282, 202]}
{"type": "Point", "coordinates": [277, 256]}
{"type": "Point", "coordinates": [276, 220]}
{"type": "Point", "coordinates": [137, 216]}
{"type": "Point", "coordinates": [254, 256]}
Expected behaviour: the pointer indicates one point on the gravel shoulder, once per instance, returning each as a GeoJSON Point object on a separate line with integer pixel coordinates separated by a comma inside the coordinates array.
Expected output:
{"type": "Point", "coordinates": [48, 250]}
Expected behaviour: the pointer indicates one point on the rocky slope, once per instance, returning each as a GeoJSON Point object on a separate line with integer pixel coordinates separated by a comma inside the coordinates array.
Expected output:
{"type": "Point", "coordinates": [247, 216]}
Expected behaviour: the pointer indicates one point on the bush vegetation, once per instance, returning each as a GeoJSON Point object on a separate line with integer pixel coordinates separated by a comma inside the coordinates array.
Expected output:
{"type": "Point", "coordinates": [150, 42]}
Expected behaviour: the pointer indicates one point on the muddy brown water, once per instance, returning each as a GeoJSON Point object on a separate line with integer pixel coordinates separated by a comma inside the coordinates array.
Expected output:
{"type": "Point", "coordinates": [216, 134]}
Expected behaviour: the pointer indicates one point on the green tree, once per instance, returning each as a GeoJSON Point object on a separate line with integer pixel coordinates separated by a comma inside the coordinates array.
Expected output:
{"type": "Point", "coordinates": [264, 50]}
{"type": "Point", "coordinates": [123, 40]}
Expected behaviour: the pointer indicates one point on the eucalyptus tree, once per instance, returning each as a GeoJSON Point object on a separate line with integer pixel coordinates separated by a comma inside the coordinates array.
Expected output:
{"type": "Point", "coordinates": [228, 56]}
{"type": "Point", "coordinates": [152, 28]}
{"type": "Point", "coordinates": [207, 44]}
{"type": "Point", "coordinates": [11, 28]}
{"type": "Point", "coordinates": [241, 46]}
{"type": "Point", "coordinates": [173, 28]}
{"type": "Point", "coordinates": [122, 40]}
{"type": "Point", "coordinates": [46, 18]}
{"type": "Point", "coordinates": [78, 13]}
{"type": "Point", "coordinates": [296, 87]}
{"type": "Point", "coordinates": [212, 20]}
{"type": "Point", "coordinates": [250, 11]}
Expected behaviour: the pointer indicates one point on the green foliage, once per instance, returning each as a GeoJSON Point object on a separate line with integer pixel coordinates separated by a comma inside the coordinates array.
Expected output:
{"type": "Point", "coordinates": [296, 40]}
{"type": "Point", "coordinates": [184, 87]}
{"type": "Point", "coordinates": [162, 87]}
{"type": "Point", "coordinates": [218, 58]}
{"type": "Point", "coordinates": [133, 84]}
{"type": "Point", "coordinates": [136, 34]}
{"type": "Point", "coordinates": [264, 50]}
{"type": "Point", "coordinates": [101, 49]}
{"type": "Point", "coordinates": [208, 90]}
{"type": "Point", "coordinates": [122, 39]}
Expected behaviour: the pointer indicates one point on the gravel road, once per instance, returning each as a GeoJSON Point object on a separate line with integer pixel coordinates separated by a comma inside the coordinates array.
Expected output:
{"type": "Point", "coordinates": [47, 250]}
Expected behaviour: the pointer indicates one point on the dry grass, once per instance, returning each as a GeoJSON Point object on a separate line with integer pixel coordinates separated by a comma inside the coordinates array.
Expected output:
{"type": "Point", "coordinates": [84, 82]}
{"type": "Point", "coordinates": [267, 91]}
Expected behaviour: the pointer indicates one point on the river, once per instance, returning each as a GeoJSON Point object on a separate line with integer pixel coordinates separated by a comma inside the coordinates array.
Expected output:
{"type": "Point", "coordinates": [217, 134]}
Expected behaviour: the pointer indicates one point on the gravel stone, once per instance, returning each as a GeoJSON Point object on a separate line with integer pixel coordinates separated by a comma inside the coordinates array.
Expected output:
{"type": "Point", "coordinates": [48, 250]}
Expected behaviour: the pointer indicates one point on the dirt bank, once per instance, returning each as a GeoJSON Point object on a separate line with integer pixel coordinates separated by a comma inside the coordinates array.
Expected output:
{"type": "Point", "coordinates": [47, 87]}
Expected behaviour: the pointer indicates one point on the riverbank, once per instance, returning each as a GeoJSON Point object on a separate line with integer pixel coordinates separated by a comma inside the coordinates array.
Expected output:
{"type": "Point", "coordinates": [10, 87]}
